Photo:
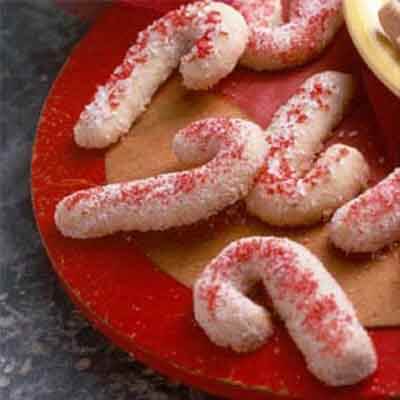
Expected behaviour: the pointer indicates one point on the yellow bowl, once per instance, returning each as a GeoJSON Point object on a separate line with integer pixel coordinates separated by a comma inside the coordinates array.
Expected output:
{"type": "Point", "coordinates": [375, 48]}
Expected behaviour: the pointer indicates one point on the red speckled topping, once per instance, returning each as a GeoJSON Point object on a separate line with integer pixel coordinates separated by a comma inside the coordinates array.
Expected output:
{"type": "Point", "coordinates": [160, 36]}
{"type": "Point", "coordinates": [167, 187]}
{"type": "Point", "coordinates": [323, 170]}
{"type": "Point", "coordinates": [118, 289]}
{"type": "Point", "coordinates": [257, 12]}
{"type": "Point", "coordinates": [281, 174]}
{"type": "Point", "coordinates": [382, 199]}
{"type": "Point", "coordinates": [311, 25]}
{"type": "Point", "coordinates": [233, 151]}
{"type": "Point", "coordinates": [291, 280]}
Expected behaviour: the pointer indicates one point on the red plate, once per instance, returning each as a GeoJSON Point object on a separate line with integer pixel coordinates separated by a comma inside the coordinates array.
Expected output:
{"type": "Point", "coordinates": [142, 310]}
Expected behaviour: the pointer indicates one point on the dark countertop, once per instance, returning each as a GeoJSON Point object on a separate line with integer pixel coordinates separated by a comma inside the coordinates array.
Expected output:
{"type": "Point", "coordinates": [47, 350]}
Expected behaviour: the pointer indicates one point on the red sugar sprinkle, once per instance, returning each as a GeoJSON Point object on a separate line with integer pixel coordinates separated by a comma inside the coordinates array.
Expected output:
{"type": "Point", "coordinates": [282, 269]}
{"type": "Point", "coordinates": [225, 144]}
{"type": "Point", "coordinates": [166, 30]}
{"type": "Point", "coordinates": [185, 183]}
{"type": "Point", "coordinates": [281, 175]}
{"type": "Point", "coordinates": [81, 196]}
{"type": "Point", "coordinates": [204, 46]}
{"type": "Point", "coordinates": [331, 333]}
{"type": "Point", "coordinates": [211, 295]}
{"type": "Point", "coordinates": [377, 202]}
{"type": "Point", "coordinates": [311, 25]}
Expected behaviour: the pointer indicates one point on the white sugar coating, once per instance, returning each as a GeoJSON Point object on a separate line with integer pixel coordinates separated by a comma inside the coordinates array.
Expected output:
{"type": "Point", "coordinates": [263, 13]}
{"type": "Point", "coordinates": [337, 176]}
{"type": "Point", "coordinates": [235, 151]}
{"type": "Point", "coordinates": [372, 220]}
{"type": "Point", "coordinates": [208, 38]}
{"type": "Point", "coordinates": [389, 16]}
{"type": "Point", "coordinates": [311, 27]}
{"type": "Point", "coordinates": [291, 190]}
{"type": "Point", "coordinates": [318, 315]}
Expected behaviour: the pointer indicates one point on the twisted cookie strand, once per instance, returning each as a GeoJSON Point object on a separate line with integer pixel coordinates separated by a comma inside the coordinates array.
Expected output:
{"type": "Point", "coordinates": [208, 38]}
{"type": "Point", "coordinates": [316, 311]}
{"type": "Point", "coordinates": [290, 190]}
{"type": "Point", "coordinates": [311, 27]}
{"type": "Point", "coordinates": [235, 151]}
{"type": "Point", "coordinates": [370, 221]}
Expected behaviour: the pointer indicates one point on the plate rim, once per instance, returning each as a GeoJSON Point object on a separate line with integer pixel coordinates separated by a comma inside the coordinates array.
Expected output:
{"type": "Point", "coordinates": [250, 391]}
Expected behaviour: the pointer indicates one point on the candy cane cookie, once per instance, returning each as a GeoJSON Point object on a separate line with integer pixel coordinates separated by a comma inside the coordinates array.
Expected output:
{"type": "Point", "coordinates": [206, 38]}
{"type": "Point", "coordinates": [311, 27]}
{"type": "Point", "coordinates": [290, 190]}
{"type": "Point", "coordinates": [389, 17]}
{"type": "Point", "coordinates": [370, 221]}
{"type": "Point", "coordinates": [235, 151]}
{"type": "Point", "coordinates": [318, 315]}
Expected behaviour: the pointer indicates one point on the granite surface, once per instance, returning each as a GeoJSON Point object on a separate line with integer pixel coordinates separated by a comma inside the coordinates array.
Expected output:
{"type": "Point", "coordinates": [47, 350]}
